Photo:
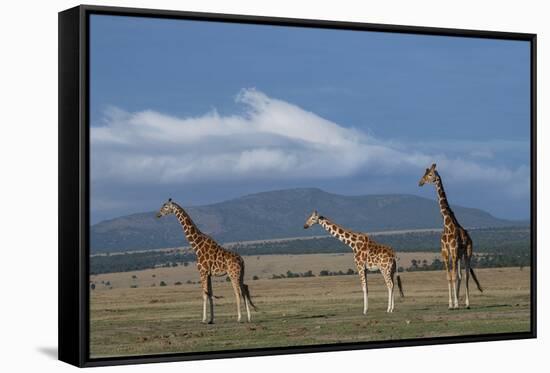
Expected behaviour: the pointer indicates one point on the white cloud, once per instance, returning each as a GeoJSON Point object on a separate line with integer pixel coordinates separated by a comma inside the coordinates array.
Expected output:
{"type": "Point", "coordinates": [271, 138]}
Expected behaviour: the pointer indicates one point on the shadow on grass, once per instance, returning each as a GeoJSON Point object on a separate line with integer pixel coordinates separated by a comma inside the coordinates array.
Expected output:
{"type": "Point", "coordinates": [323, 316]}
{"type": "Point", "coordinates": [494, 306]}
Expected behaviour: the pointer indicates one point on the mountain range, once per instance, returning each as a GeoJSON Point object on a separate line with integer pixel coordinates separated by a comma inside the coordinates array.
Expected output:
{"type": "Point", "coordinates": [281, 214]}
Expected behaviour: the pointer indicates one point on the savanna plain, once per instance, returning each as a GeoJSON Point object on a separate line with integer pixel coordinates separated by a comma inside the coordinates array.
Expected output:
{"type": "Point", "coordinates": [158, 310]}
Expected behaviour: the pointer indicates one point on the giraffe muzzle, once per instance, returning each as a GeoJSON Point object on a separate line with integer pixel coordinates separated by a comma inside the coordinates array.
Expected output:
{"type": "Point", "coordinates": [306, 226]}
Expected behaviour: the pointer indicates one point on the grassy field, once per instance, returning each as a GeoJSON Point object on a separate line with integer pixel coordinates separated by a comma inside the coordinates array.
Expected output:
{"type": "Point", "coordinates": [302, 311]}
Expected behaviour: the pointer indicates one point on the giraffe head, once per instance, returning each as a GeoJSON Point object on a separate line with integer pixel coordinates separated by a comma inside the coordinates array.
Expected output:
{"type": "Point", "coordinates": [429, 176]}
{"type": "Point", "coordinates": [313, 219]}
{"type": "Point", "coordinates": [166, 209]}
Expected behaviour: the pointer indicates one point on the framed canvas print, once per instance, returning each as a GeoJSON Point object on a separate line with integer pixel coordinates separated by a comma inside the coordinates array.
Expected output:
{"type": "Point", "coordinates": [234, 186]}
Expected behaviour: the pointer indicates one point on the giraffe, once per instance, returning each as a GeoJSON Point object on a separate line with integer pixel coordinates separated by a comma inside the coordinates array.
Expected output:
{"type": "Point", "coordinates": [367, 254]}
{"type": "Point", "coordinates": [212, 260]}
{"type": "Point", "coordinates": [456, 244]}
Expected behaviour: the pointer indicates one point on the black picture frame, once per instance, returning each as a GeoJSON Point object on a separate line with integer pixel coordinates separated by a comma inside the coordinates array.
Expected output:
{"type": "Point", "coordinates": [74, 183]}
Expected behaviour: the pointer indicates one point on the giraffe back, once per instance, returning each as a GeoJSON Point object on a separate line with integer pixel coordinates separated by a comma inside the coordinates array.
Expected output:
{"type": "Point", "coordinates": [216, 260]}
{"type": "Point", "coordinates": [374, 255]}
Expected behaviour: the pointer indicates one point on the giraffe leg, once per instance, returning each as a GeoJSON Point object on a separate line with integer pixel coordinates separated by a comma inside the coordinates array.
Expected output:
{"type": "Point", "coordinates": [389, 285]}
{"type": "Point", "coordinates": [445, 257]}
{"type": "Point", "coordinates": [210, 300]}
{"type": "Point", "coordinates": [392, 298]}
{"type": "Point", "coordinates": [459, 279]}
{"type": "Point", "coordinates": [365, 296]}
{"type": "Point", "coordinates": [247, 309]}
{"type": "Point", "coordinates": [392, 278]}
{"type": "Point", "coordinates": [204, 296]}
{"type": "Point", "coordinates": [237, 290]}
{"type": "Point", "coordinates": [454, 281]}
{"type": "Point", "coordinates": [362, 270]}
{"type": "Point", "coordinates": [467, 269]}
{"type": "Point", "coordinates": [390, 295]}
{"type": "Point", "coordinates": [244, 292]}
{"type": "Point", "coordinates": [206, 284]}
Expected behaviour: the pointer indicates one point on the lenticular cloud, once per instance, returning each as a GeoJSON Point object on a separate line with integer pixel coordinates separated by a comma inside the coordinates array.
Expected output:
{"type": "Point", "coordinates": [270, 138]}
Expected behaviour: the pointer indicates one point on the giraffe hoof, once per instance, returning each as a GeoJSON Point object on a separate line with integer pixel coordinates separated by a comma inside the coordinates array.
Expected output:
{"type": "Point", "coordinates": [211, 322]}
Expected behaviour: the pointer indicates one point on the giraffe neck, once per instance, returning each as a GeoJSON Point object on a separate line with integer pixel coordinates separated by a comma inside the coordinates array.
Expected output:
{"type": "Point", "coordinates": [336, 231]}
{"type": "Point", "coordinates": [192, 233]}
{"type": "Point", "coordinates": [444, 207]}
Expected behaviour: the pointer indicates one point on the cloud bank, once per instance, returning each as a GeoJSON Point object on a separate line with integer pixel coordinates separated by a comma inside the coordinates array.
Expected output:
{"type": "Point", "coordinates": [272, 138]}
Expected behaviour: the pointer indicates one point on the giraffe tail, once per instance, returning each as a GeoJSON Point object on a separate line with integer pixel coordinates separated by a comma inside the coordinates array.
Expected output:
{"type": "Point", "coordinates": [246, 294]}
{"type": "Point", "coordinates": [399, 284]}
{"type": "Point", "coordinates": [475, 280]}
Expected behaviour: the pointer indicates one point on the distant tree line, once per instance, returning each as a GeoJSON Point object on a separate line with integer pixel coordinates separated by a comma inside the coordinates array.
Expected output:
{"type": "Point", "coordinates": [290, 274]}
{"type": "Point", "coordinates": [138, 261]}
{"type": "Point", "coordinates": [491, 240]}
{"type": "Point", "coordinates": [478, 261]}
{"type": "Point", "coordinates": [504, 246]}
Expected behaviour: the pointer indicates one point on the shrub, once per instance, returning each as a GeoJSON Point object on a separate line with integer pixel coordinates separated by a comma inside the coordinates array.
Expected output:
{"type": "Point", "coordinates": [162, 283]}
{"type": "Point", "coordinates": [290, 274]}
{"type": "Point", "coordinates": [255, 277]}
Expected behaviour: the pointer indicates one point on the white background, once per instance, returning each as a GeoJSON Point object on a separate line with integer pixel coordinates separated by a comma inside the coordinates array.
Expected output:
{"type": "Point", "coordinates": [28, 184]}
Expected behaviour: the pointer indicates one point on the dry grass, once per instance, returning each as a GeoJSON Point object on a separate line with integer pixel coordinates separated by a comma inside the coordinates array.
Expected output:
{"type": "Point", "coordinates": [262, 266]}
{"type": "Point", "coordinates": [302, 311]}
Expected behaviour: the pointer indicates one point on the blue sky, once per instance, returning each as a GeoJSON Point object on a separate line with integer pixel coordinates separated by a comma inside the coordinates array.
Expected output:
{"type": "Point", "coordinates": [204, 111]}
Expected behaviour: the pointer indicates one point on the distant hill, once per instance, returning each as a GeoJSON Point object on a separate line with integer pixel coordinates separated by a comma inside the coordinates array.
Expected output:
{"type": "Point", "coordinates": [281, 214]}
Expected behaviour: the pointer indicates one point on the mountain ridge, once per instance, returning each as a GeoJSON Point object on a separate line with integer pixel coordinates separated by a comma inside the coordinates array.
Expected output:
{"type": "Point", "coordinates": [281, 214]}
